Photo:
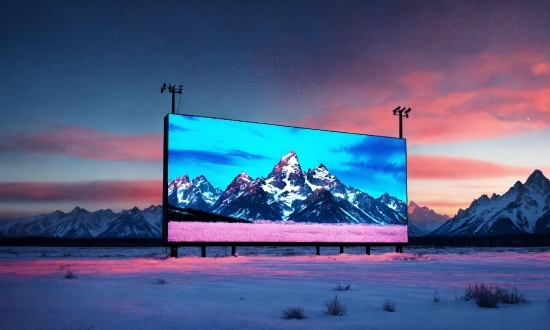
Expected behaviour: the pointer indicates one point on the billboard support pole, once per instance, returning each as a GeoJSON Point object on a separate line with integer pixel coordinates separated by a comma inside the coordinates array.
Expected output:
{"type": "Point", "coordinates": [367, 250]}
{"type": "Point", "coordinates": [402, 113]}
{"type": "Point", "coordinates": [233, 250]}
{"type": "Point", "coordinates": [400, 120]}
{"type": "Point", "coordinates": [341, 249]}
{"type": "Point", "coordinates": [173, 102]}
{"type": "Point", "coordinates": [173, 251]}
{"type": "Point", "coordinates": [203, 251]}
{"type": "Point", "coordinates": [317, 250]}
{"type": "Point", "coordinates": [173, 90]}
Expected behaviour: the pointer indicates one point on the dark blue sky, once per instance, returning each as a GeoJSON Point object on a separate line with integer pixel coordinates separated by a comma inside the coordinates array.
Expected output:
{"type": "Point", "coordinates": [80, 100]}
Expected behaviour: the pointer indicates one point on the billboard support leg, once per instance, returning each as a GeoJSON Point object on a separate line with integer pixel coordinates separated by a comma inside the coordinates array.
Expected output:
{"type": "Point", "coordinates": [233, 250]}
{"type": "Point", "coordinates": [399, 249]}
{"type": "Point", "coordinates": [203, 251]}
{"type": "Point", "coordinates": [341, 249]}
{"type": "Point", "coordinates": [318, 250]}
{"type": "Point", "coordinates": [173, 251]}
{"type": "Point", "coordinates": [367, 250]}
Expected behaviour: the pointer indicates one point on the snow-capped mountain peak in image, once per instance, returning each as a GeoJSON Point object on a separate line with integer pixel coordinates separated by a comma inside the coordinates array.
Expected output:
{"type": "Point", "coordinates": [524, 208]}
{"type": "Point", "coordinates": [284, 191]}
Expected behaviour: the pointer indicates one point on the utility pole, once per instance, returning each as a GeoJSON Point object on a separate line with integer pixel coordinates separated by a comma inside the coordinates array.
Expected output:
{"type": "Point", "coordinates": [402, 113]}
{"type": "Point", "coordinates": [173, 90]}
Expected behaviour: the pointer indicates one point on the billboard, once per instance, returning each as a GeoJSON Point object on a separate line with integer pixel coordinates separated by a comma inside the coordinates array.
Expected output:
{"type": "Point", "coordinates": [229, 181]}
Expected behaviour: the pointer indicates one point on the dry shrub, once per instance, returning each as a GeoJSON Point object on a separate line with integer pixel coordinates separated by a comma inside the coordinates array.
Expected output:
{"type": "Point", "coordinates": [70, 274]}
{"type": "Point", "coordinates": [388, 305]}
{"type": "Point", "coordinates": [335, 307]}
{"type": "Point", "coordinates": [340, 287]}
{"type": "Point", "coordinates": [294, 313]}
{"type": "Point", "coordinates": [488, 296]}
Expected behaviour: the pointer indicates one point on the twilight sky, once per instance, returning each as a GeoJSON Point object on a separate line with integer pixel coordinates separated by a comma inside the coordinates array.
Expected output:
{"type": "Point", "coordinates": [81, 113]}
{"type": "Point", "coordinates": [221, 149]}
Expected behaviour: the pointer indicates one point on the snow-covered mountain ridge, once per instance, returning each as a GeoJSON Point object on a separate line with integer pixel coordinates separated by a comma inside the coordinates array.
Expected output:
{"type": "Point", "coordinates": [288, 193]}
{"type": "Point", "coordinates": [524, 208]}
{"type": "Point", "coordinates": [79, 223]}
{"type": "Point", "coordinates": [423, 220]}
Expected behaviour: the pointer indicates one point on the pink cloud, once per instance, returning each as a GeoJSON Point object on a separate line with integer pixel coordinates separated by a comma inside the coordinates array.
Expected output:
{"type": "Point", "coordinates": [482, 96]}
{"type": "Point", "coordinates": [420, 167]}
{"type": "Point", "coordinates": [541, 68]}
{"type": "Point", "coordinates": [87, 143]}
{"type": "Point", "coordinates": [451, 117]}
{"type": "Point", "coordinates": [423, 81]}
{"type": "Point", "coordinates": [137, 191]}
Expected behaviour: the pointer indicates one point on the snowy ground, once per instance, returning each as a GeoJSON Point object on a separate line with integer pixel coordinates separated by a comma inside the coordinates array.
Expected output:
{"type": "Point", "coordinates": [284, 232]}
{"type": "Point", "coordinates": [115, 289]}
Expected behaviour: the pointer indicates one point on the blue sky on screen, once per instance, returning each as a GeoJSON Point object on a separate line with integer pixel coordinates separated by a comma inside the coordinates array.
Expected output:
{"type": "Point", "coordinates": [221, 149]}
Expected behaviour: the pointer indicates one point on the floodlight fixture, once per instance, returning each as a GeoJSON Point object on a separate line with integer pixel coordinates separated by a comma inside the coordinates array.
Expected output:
{"type": "Point", "coordinates": [401, 112]}
{"type": "Point", "coordinates": [173, 90]}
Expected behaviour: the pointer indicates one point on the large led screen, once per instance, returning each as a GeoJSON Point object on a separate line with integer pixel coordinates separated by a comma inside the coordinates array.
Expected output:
{"type": "Point", "coordinates": [232, 181]}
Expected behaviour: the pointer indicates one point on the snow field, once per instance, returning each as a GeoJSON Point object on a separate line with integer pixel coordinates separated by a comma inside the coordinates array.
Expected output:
{"type": "Point", "coordinates": [118, 292]}
{"type": "Point", "coordinates": [276, 232]}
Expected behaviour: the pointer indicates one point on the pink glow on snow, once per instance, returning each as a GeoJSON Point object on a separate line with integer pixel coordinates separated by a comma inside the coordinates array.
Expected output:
{"type": "Point", "coordinates": [284, 233]}
{"type": "Point", "coordinates": [118, 292]}
{"type": "Point", "coordinates": [427, 267]}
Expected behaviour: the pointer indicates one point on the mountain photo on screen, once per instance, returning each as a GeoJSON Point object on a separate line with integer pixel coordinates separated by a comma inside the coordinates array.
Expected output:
{"type": "Point", "coordinates": [233, 181]}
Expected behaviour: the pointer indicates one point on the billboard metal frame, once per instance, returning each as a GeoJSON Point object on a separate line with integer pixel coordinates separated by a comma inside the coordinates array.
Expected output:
{"type": "Point", "coordinates": [203, 245]}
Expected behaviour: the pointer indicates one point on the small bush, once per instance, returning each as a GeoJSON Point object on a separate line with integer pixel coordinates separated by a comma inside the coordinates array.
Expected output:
{"type": "Point", "coordinates": [486, 296]}
{"type": "Point", "coordinates": [335, 307]}
{"type": "Point", "coordinates": [471, 292]}
{"type": "Point", "coordinates": [294, 313]}
{"type": "Point", "coordinates": [489, 296]}
{"type": "Point", "coordinates": [70, 274]}
{"type": "Point", "coordinates": [512, 296]}
{"type": "Point", "coordinates": [160, 281]}
{"type": "Point", "coordinates": [340, 287]}
{"type": "Point", "coordinates": [388, 305]}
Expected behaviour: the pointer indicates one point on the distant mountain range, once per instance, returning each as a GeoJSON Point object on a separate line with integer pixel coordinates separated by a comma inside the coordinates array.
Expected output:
{"type": "Point", "coordinates": [287, 193]}
{"type": "Point", "coordinates": [80, 223]}
{"type": "Point", "coordinates": [423, 220]}
{"type": "Point", "coordinates": [524, 208]}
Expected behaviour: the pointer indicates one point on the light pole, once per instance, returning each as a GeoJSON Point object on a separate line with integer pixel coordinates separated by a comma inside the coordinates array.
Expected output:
{"type": "Point", "coordinates": [173, 90]}
{"type": "Point", "coordinates": [401, 112]}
